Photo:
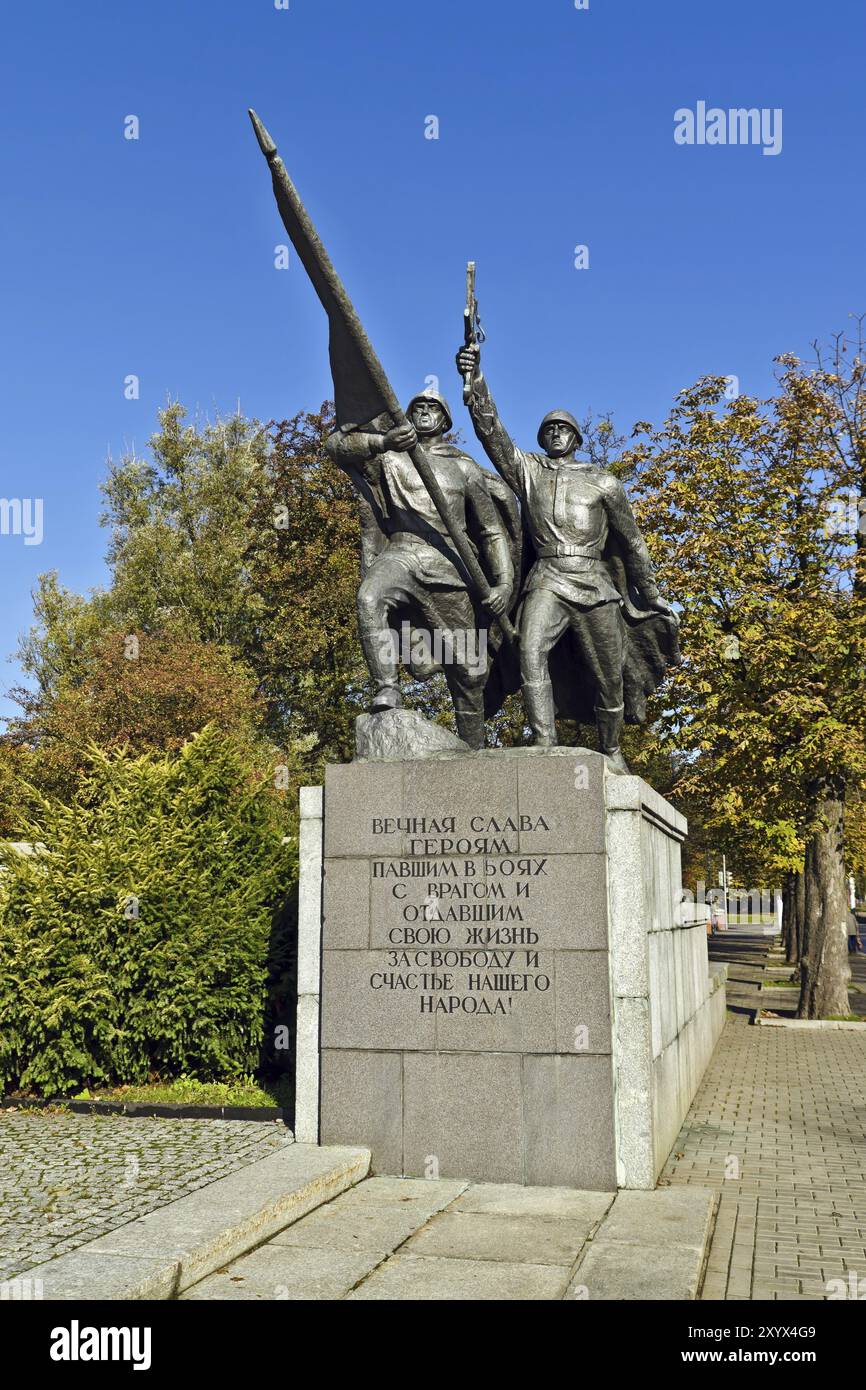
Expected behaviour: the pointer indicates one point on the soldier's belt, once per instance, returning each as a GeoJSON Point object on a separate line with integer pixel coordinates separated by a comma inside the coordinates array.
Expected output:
{"type": "Point", "coordinates": [566, 552]}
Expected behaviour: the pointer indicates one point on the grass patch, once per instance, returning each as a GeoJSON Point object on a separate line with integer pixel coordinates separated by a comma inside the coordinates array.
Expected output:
{"type": "Point", "coordinates": [188, 1091]}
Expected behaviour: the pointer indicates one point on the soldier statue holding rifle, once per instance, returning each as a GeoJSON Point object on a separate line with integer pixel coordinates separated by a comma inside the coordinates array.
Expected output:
{"type": "Point", "coordinates": [595, 634]}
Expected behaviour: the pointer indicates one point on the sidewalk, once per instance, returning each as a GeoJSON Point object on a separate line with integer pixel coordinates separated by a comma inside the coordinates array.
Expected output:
{"type": "Point", "coordinates": [419, 1239]}
{"type": "Point", "coordinates": [777, 1128]}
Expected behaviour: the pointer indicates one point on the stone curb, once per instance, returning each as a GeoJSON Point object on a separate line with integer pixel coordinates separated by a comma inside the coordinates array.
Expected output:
{"type": "Point", "coordinates": [651, 1246]}
{"type": "Point", "coordinates": [806, 1023]}
{"type": "Point", "coordinates": [160, 1255]}
{"type": "Point", "coordinates": [146, 1110]}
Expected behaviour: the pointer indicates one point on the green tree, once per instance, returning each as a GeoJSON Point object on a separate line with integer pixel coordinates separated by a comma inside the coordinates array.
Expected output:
{"type": "Point", "coordinates": [180, 530]}
{"type": "Point", "coordinates": [303, 556]}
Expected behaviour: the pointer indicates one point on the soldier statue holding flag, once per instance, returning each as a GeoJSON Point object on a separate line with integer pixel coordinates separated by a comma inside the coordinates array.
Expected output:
{"type": "Point", "coordinates": [440, 535]}
{"type": "Point", "coordinates": [411, 570]}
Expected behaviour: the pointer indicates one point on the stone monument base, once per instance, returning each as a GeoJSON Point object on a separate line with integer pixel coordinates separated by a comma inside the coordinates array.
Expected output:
{"type": "Point", "coordinates": [496, 979]}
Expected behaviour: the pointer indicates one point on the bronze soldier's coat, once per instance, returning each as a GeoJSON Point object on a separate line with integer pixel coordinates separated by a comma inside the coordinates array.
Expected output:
{"type": "Point", "coordinates": [582, 543]}
{"type": "Point", "coordinates": [402, 530]}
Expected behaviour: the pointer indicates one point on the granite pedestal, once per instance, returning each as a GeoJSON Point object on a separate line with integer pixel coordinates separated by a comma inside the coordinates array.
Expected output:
{"type": "Point", "coordinates": [496, 980]}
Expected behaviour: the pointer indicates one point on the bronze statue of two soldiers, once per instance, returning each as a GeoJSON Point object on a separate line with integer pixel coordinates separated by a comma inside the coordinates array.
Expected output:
{"type": "Point", "coordinates": [537, 578]}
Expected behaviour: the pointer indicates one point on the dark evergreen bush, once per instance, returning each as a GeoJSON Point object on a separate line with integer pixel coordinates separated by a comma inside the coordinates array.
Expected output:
{"type": "Point", "coordinates": [136, 938]}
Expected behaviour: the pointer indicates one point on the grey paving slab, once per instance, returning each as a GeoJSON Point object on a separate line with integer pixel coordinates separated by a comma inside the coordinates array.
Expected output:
{"type": "Point", "coordinates": [613, 1271]}
{"type": "Point", "coordinates": [663, 1217]}
{"type": "Point", "coordinates": [551, 1203]}
{"type": "Point", "coordinates": [514, 1239]}
{"type": "Point", "coordinates": [407, 1278]}
{"type": "Point", "coordinates": [360, 1227]}
{"type": "Point", "coordinates": [430, 1193]}
{"type": "Point", "coordinates": [279, 1272]}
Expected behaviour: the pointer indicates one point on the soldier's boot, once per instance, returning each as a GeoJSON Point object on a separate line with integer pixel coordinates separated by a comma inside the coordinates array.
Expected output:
{"type": "Point", "coordinates": [540, 712]}
{"type": "Point", "coordinates": [609, 725]}
{"type": "Point", "coordinates": [386, 697]}
{"type": "Point", "coordinates": [470, 726]}
{"type": "Point", "coordinates": [379, 651]}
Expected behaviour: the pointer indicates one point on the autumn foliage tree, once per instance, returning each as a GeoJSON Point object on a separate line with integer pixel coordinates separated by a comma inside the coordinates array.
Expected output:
{"type": "Point", "coordinates": [737, 500]}
{"type": "Point", "coordinates": [143, 691]}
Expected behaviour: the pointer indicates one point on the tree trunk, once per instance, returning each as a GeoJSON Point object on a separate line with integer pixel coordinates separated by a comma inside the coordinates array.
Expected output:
{"type": "Point", "coordinates": [793, 893]}
{"type": "Point", "coordinates": [800, 913]}
{"type": "Point", "coordinates": [788, 908]}
{"type": "Point", "coordinates": [824, 971]}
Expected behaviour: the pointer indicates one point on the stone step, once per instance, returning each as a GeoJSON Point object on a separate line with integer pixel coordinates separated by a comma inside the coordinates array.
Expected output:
{"type": "Point", "coordinates": [165, 1252]}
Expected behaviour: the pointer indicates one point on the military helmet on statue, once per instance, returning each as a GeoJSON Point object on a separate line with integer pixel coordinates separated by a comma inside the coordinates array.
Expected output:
{"type": "Point", "coordinates": [563, 417]}
{"type": "Point", "coordinates": [437, 400]}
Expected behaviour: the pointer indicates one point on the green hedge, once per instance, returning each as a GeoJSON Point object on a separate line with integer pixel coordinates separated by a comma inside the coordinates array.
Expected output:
{"type": "Point", "coordinates": [138, 937]}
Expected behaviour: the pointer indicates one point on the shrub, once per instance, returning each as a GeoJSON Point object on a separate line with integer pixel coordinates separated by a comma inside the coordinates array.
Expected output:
{"type": "Point", "coordinates": [136, 938]}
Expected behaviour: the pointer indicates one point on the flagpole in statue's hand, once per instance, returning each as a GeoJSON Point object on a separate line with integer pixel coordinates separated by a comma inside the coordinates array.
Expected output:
{"type": "Point", "coordinates": [361, 389]}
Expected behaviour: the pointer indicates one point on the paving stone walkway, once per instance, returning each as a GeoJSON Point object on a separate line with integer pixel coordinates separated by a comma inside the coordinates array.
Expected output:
{"type": "Point", "coordinates": [778, 1127]}
{"type": "Point", "coordinates": [422, 1239]}
{"type": "Point", "coordinates": [66, 1179]}
{"type": "Point", "coordinates": [410, 1239]}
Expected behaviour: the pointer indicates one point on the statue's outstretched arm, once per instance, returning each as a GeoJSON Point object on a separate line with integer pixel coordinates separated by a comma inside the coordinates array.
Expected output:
{"type": "Point", "coordinates": [497, 442]}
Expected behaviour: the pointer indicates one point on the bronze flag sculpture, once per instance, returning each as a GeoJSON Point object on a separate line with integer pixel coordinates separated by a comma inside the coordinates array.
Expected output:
{"type": "Point", "coordinates": [434, 508]}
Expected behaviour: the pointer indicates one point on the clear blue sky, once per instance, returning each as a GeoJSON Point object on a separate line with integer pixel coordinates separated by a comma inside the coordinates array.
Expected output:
{"type": "Point", "coordinates": [155, 256]}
